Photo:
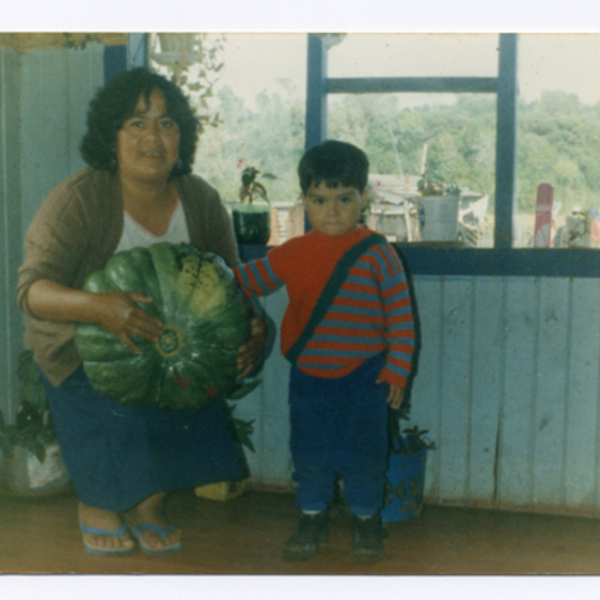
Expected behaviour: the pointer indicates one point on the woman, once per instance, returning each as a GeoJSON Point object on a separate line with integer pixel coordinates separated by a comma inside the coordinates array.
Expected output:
{"type": "Point", "coordinates": [136, 191]}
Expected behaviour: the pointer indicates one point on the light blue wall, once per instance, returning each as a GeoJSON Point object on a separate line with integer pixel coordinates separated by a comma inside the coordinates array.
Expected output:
{"type": "Point", "coordinates": [10, 226]}
{"type": "Point", "coordinates": [56, 87]}
{"type": "Point", "coordinates": [43, 102]}
{"type": "Point", "coordinates": [507, 384]}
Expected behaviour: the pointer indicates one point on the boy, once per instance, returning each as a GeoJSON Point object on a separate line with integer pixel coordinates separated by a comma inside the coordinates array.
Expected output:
{"type": "Point", "coordinates": [348, 332]}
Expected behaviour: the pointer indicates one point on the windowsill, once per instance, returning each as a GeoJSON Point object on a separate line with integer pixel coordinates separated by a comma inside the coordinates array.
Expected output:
{"type": "Point", "coordinates": [446, 259]}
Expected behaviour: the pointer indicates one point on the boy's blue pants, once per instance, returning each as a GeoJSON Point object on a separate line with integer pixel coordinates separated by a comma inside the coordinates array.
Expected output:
{"type": "Point", "coordinates": [339, 426]}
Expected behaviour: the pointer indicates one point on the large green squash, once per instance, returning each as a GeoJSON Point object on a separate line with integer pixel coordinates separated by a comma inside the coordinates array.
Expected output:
{"type": "Point", "coordinates": [205, 316]}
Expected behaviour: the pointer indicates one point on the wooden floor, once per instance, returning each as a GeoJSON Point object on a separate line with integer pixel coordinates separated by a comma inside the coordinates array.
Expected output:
{"type": "Point", "coordinates": [244, 536]}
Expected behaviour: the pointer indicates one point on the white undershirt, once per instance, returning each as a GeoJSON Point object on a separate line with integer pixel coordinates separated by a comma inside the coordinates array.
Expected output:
{"type": "Point", "coordinates": [134, 235]}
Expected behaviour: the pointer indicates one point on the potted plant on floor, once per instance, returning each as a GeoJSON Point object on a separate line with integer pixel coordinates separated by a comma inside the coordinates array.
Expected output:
{"type": "Point", "coordinates": [405, 477]}
{"type": "Point", "coordinates": [31, 463]}
{"type": "Point", "coordinates": [251, 221]}
{"type": "Point", "coordinates": [241, 431]}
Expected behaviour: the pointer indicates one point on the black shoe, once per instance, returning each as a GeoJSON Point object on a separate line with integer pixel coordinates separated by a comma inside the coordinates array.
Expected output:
{"type": "Point", "coordinates": [366, 539]}
{"type": "Point", "coordinates": [312, 533]}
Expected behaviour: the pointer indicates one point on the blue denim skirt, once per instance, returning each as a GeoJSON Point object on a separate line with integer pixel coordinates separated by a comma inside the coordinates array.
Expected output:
{"type": "Point", "coordinates": [117, 455]}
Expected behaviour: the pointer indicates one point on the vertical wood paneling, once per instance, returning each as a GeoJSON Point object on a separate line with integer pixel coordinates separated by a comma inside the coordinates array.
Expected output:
{"type": "Point", "coordinates": [582, 415]}
{"type": "Point", "coordinates": [10, 230]}
{"type": "Point", "coordinates": [426, 395]}
{"type": "Point", "coordinates": [271, 464]}
{"type": "Point", "coordinates": [53, 137]}
{"type": "Point", "coordinates": [85, 70]}
{"type": "Point", "coordinates": [551, 387]}
{"type": "Point", "coordinates": [507, 384]}
{"type": "Point", "coordinates": [487, 378]}
{"type": "Point", "coordinates": [56, 88]}
{"type": "Point", "coordinates": [43, 101]}
{"type": "Point", "coordinates": [517, 430]}
{"type": "Point", "coordinates": [456, 393]}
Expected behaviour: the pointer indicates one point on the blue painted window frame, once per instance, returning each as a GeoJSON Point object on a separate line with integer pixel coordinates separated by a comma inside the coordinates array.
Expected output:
{"type": "Point", "coordinates": [502, 260]}
{"type": "Point", "coordinates": [120, 58]}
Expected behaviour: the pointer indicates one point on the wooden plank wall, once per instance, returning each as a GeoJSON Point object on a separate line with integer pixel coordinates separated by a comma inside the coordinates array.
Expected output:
{"type": "Point", "coordinates": [56, 87]}
{"type": "Point", "coordinates": [10, 228]}
{"type": "Point", "coordinates": [508, 387]}
{"type": "Point", "coordinates": [507, 384]}
{"type": "Point", "coordinates": [44, 96]}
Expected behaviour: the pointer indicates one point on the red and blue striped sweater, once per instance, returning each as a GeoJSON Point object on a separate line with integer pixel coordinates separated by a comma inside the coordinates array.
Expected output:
{"type": "Point", "coordinates": [370, 314]}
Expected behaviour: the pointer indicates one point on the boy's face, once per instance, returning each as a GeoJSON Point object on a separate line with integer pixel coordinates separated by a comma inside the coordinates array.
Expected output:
{"type": "Point", "coordinates": [333, 211]}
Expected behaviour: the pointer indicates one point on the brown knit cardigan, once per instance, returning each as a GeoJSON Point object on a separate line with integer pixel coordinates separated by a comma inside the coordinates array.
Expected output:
{"type": "Point", "coordinates": [78, 228]}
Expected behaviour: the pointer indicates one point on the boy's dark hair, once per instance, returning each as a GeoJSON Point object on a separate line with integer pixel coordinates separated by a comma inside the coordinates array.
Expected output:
{"type": "Point", "coordinates": [334, 163]}
{"type": "Point", "coordinates": [115, 103]}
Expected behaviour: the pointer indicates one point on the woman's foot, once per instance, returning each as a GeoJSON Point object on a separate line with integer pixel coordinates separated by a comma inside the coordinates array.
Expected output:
{"type": "Point", "coordinates": [151, 512]}
{"type": "Point", "coordinates": [105, 521]}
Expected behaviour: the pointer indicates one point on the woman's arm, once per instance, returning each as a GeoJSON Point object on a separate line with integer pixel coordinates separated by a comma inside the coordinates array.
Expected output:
{"type": "Point", "coordinates": [117, 312]}
{"type": "Point", "coordinates": [250, 352]}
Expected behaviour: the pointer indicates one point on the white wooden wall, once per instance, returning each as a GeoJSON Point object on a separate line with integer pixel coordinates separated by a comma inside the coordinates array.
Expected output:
{"type": "Point", "coordinates": [507, 384]}
{"type": "Point", "coordinates": [43, 104]}
{"type": "Point", "coordinates": [10, 226]}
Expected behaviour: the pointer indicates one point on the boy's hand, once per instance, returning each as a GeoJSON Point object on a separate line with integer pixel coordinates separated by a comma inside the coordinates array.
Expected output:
{"type": "Point", "coordinates": [395, 396]}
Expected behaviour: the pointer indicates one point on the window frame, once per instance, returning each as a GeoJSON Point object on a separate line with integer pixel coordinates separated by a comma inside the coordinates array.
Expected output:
{"type": "Point", "coordinates": [502, 259]}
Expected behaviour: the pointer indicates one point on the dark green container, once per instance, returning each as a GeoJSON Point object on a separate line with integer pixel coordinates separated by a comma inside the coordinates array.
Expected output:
{"type": "Point", "coordinates": [252, 223]}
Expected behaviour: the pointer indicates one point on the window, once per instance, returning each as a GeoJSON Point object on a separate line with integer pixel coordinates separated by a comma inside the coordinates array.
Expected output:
{"type": "Point", "coordinates": [252, 100]}
{"type": "Point", "coordinates": [262, 92]}
{"type": "Point", "coordinates": [558, 140]}
{"type": "Point", "coordinates": [440, 146]}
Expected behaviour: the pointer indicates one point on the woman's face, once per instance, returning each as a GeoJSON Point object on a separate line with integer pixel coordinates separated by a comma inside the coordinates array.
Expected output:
{"type": "Point", "coordinates": [148, 142]}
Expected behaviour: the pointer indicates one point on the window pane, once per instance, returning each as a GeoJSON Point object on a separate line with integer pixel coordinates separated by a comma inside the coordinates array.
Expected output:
{"type": "Point", "coordinates": [559, 129]}
{"type": "Point", "coordinates": [254, 116]}
{"type": "Point", "coordinates": [414, 55]}
{"type": "Point", "coordinates": [449, 138]}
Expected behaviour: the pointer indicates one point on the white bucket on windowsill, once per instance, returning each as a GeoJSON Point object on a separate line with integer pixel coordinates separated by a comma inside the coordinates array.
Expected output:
{"type": "Point", "coordinates": [438, 218]}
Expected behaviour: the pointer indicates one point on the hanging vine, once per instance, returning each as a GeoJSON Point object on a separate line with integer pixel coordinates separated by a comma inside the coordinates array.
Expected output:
{"type": "Point", "coordinates": [194, 62]}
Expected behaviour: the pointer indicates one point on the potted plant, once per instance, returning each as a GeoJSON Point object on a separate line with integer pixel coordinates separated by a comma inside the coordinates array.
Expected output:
{"type": "Point", "coordinates": [31, 463]}
{"type": "Point", "coordinates": [405, 477]}
{"type": "Point", "coordinates": [241, 431]}
{"type": "Point", "coordinates": [252, 222]}
{"type": "Point", "coordinates": [438, 208]}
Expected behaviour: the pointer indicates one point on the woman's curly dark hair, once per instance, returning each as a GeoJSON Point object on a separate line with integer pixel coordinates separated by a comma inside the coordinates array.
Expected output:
{"type": "Point", "coordinates": [115, 103]}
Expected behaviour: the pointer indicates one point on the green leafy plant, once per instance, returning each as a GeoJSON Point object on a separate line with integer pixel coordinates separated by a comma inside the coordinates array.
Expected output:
{"type": "Point", "coordinates": [433, 184]}
{"type": "Point", "coordinates": [413, 440]}
{"type": "Point", "coordinates": [252, 188]}
{"type": "Point", "coordinates": [406, 477]}
{"type": "Point", "coordinates": [252, 222]}
{"type": "Point", "coordinates": [34, 438]}
{"type": "Point", "coordinates": [80, 43]}
{"type": "Point", "coordinates": [33, 429]}
{"type": "Point", "coordinates": [409, 439]}
{"type": "Point", "coordinates": [243, 429]}
{"type": "Point", "coordinates": [194, 62]}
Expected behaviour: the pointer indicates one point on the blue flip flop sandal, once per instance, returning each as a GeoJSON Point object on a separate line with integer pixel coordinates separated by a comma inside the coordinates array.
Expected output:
{"type": "Point", "coordinates": [137, 533]}
{"type": "Point", "coordinates": [105, 551]}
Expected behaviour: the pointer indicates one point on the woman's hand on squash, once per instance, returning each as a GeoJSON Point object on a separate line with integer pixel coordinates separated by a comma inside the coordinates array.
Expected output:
{"type": "Point", "coordinates": [120, 314]}
{"type": "Point", "coordinates": [250, 352]}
